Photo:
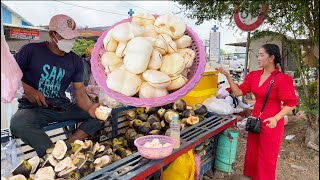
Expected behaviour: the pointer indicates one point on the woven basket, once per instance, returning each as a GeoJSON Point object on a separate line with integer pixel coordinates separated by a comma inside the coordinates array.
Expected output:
{"type": "Point", "coordinates": [194, 75]}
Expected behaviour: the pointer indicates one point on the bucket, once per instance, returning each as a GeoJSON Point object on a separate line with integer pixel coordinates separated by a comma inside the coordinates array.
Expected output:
{"type": "Point", "coordinates": [226, 151]}
{"type": "Point", "coordinates": [206, 87]}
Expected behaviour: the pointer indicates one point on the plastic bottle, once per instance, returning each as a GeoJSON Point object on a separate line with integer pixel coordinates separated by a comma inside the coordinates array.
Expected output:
{"type": "Point", "coordinates": [175, 131]}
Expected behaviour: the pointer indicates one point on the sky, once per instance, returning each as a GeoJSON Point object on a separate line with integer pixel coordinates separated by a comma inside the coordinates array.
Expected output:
{"type": "Point", "coordinates": [40, 12]}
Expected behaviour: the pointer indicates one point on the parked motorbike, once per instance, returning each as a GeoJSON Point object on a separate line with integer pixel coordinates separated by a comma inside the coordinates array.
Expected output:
{"type": "Point", "coordinates": [236, 73]}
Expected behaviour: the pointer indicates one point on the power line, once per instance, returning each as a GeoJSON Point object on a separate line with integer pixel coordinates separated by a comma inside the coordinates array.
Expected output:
{"type": "Point", "coordinates": [91, 8]}
{"type": "Point", "coordinates": [138, 6]}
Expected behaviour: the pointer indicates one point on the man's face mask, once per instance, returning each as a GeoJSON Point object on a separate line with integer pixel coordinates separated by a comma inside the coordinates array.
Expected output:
{"type": "Point", "coordinates": [65, 44]}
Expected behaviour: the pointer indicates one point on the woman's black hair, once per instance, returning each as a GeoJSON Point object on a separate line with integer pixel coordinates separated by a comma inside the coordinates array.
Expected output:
{"type": "Point", "coordinates": [273, 49]}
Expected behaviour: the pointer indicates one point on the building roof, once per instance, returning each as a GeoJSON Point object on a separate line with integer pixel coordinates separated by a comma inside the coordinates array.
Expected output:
{"type": "Point", "coordinates": [16, 14]}
{"type": "Point", "coordinates": [99, 29]}
{"type": "Point", "coordinates": [241, 44]}
{"type": "Point", "coordinates": [89, 33]}
{"type": "Point", "coordinates": [26, 27]}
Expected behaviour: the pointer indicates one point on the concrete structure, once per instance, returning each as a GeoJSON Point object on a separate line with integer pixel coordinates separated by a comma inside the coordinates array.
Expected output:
{"type": "Point", "coordinates": [11, 19]}
{"type": "Point", "coordinates": [288, 60]}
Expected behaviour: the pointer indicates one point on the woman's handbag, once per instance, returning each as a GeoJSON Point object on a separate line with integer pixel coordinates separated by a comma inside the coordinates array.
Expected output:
{"type": "Point", "coordinates": [253, 123]}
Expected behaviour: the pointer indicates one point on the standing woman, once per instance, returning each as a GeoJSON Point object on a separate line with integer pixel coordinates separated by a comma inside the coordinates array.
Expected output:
{"type": "Point", "coordinates": [263, 148]}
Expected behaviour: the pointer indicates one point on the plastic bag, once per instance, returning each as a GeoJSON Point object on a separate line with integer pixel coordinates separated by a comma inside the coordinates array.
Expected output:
{"type": "Point", "coordinates": [197, 160]}
{"type": "Point", "coordinates": [183, 168]}
{"type": "Point", "coordinates": [11, 74]}
{"type": "Point", "coordinates": [218, 106]}
{"type": "Point", "coordinates": [222, 93]}
{"type": "Point", "coordinates": [108, 101]}
{"type": "Point", "coordinates": [9, 159]}
{"type": "Point", "coordinates": [241, 125]}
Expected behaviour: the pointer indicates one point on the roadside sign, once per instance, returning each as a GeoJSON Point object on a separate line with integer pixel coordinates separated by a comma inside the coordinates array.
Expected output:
{"type": "Point", "coordinates": [249, 22]}
{"type": "Point", "coordinates": [214, 46]}
{"type": "Point", "coordinates": [21, 33]}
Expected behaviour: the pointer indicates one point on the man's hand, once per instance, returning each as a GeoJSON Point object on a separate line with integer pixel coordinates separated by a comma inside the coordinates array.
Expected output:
{"type": "Point", "coordinates": [34, 96]}
{"type": "Point", "coordinates": [92, 110]}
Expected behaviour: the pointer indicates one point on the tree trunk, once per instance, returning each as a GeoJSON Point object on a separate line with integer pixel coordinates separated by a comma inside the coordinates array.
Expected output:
{"type": "Point", "coordinates": [312, 134]}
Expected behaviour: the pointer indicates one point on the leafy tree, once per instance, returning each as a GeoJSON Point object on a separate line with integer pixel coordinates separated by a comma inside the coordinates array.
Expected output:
{"type": "Point", "coordinates": [81, 45]}
{"type": "Point", "coordinates": [224, 53]}
{"type": "Point", "coordinates": [299, 18]}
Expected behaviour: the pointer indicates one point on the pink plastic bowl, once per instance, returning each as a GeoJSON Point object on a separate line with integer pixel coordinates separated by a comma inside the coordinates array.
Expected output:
{"type": "Point", "coordinates": [154, 153]}
{"type": "Point", "coordinates": [194, 75]}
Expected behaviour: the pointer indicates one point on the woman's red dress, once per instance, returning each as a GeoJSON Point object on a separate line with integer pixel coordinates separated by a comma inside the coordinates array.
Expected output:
{"type": "Point", "coordinates": [262, 149]}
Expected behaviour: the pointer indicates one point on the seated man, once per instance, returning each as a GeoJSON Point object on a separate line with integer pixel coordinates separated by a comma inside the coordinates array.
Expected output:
{"type": "Point", "coordinates": [48, 69]}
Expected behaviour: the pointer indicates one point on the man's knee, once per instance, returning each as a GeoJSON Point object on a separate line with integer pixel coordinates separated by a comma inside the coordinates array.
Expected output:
{"type": "Point", "coordinates": [17, 125]}
{"type": "Point", "coordinates": [22, 122]}
{"type": "Point", "coordinates": [91, 126]}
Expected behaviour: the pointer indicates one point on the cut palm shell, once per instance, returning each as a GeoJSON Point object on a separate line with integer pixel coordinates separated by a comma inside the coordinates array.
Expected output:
{"type": "Point", "coordinates": [96, 148]}
{"type": "Point", "coordinates": [66, 162]}
{"type": "Point", "coordinates": [35, 162]}
{"type": "Point", "coordinates": [59, 150]}
{"type": "Point", "coordinates": [45, 172]}
{"type": "Point", "coordinates": [18, 177]}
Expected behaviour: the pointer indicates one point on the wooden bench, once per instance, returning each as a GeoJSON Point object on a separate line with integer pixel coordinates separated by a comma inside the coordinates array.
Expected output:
{"type": "Point", "coordinates": [62, 130]}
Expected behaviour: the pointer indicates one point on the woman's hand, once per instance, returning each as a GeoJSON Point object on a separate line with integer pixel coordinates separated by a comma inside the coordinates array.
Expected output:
{"type": "Point", "coordinates": [222, 71]}
{"type": "Point", "coordinates": [272, 122]}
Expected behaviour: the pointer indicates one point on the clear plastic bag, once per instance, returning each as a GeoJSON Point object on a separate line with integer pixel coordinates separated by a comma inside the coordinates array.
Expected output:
{"type": "Point", "coordinates": [9, 158]}
{"type": "Point", "coordinates": [108, 101]}
{"type": "Point", "coordinates": [222, 93]}
{"type": "Point", "coordinates": [11, 74]}
{"type": "Point", "coordinates": [218, 106]}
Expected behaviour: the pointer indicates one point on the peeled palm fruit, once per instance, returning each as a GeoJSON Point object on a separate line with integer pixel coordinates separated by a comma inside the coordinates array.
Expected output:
{"type": "Point", "coordinates": [185, 72]}
{"type": "Point", "coordinates": [34, 162]}
{"type": "Point", "coordinates": [156, 60]}
{"type": "Point", "coordinates": [172, 65]}
{"type": "Point", "coordinates": [188, 56]}
{"type": "Point", "coordinates": [45, 172]}
{"type": "Point", "coordinates": [59, 149]}
{"type": "Point", "coordinates": [120, 49]}
{"type": "Point", "coordinates": [103, 112]}
{"type": "Point", "coordinates": [152, 40]}
{"type": "Point", "coordinates": [124, 82]}
{"type": "Point", "coordinates": [23, 168]}
{"type": "Point", "coordinates": [143, 19]}
{"type": "Point", "coordinates": [126, 31]}
{"type": "Point", "coordinates": [148, 91]}
{"type": "Point", "coordinates": [183, 42]}
{"type": "Point", "coordinates": [157, 79]}
{"type": "Point", "coordinates": [171, 25]}
{"type": "Point", "coordinates": [150, 31]}
{"type": "Point", "coordinates": [172, 46]}
{"type": "Point", "coordinates": [161, 46]}
{"type": "Point", "coordinates": [109, 43]}
{"type": "Point", "coordinates": [110, 61]}
{"type": "Point", "coordinates": [137, 55]}
{"type": "Point", "coordinates": [177, 82]}
{"type": "Point", "coordinates": [18, 177]}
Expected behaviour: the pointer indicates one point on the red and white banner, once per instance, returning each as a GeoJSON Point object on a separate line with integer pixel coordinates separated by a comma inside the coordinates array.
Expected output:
{"type": "Point", "coordinates": [20, 33]}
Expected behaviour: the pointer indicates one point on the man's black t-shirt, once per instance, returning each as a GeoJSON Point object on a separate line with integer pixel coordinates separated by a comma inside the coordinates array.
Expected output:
{"type": "Point", "coordinates": [47, 72]}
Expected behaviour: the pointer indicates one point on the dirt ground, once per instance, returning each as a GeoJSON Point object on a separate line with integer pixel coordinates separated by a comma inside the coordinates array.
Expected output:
{"type": "Point", "coordinates": [293, 153]}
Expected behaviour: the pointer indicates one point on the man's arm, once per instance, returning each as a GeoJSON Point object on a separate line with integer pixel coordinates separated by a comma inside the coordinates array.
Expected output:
{"type": "Point", "coordinates": [83, 100]}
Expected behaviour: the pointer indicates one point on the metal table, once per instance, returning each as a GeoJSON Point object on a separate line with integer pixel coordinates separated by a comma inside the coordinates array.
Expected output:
{"type": "Point", "coordinates": [139, 168]}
